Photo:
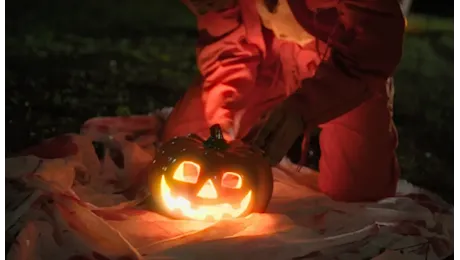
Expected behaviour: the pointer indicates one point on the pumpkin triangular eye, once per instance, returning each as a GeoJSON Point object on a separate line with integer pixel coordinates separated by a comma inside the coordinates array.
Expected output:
{"type": "Point", "coordinates": [187, 172]}
{"type": "Point", "coordinates": [232, 180]}
{"type": "Point", "coordinates": [208, 191]}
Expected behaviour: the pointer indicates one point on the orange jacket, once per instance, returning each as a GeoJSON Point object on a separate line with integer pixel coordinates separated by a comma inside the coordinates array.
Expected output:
{"type": "Point", "coordinates": [246, 71]}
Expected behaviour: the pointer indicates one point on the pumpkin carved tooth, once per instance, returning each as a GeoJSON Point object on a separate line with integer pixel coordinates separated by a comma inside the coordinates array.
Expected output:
{"type": "Point", "coordinates": [209, 180]}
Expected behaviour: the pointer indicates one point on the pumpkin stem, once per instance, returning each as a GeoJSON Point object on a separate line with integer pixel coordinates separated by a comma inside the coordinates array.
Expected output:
{"type": "Point", "coordinates": [216, 132]}
{"type": "Point", "coordinates": [216, 139]}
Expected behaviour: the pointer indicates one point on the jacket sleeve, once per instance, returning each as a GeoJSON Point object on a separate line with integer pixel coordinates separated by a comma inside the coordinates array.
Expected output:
{"type": "Point", "coordinates": [229, 49]}
{"type": "Point", "coordinates": [365, 48]}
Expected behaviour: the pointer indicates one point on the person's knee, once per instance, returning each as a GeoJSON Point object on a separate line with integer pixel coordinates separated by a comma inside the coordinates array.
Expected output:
{"type": "Point", "coordinates": [356, 181]}
{"type": "Point", "coordinates": [357, 194]}
{"type": "Point", "coordinates": [356, 168]}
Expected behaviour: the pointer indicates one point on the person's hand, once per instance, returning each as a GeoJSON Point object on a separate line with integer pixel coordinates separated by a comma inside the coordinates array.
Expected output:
{"type": "Point", "coordinates": [276, 132]}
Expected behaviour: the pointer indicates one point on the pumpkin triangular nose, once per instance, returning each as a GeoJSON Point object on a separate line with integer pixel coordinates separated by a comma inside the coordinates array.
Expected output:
{"type": "Point", "coordinates": [208, 191]}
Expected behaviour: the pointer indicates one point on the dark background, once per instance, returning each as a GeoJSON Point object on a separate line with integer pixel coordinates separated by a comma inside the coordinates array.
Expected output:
{"type": "Point", "coordinates": [443, 8]}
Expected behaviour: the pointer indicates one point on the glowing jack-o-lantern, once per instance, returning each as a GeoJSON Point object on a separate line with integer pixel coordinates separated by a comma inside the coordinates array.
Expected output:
{"type": "Point", "coordinates": [210, 179]}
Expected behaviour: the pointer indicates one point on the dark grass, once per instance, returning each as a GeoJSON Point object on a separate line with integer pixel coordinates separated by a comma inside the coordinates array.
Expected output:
{"type": "Point", "coordinates": [67, 61]}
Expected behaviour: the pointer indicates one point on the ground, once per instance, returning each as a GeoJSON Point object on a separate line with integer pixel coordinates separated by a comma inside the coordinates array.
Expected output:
{"type": "Point", "coordinates": [67, 61]}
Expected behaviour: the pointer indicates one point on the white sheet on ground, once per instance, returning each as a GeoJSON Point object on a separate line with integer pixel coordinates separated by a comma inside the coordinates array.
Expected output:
{"type": "Point", "coordinates": [72, 212]}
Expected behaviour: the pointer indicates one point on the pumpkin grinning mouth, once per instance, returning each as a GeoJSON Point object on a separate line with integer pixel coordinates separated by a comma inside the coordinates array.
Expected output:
{"type": "Point", "coordinates": [203, 212]}
{"type": "Point", "coordinates": [197, 207]}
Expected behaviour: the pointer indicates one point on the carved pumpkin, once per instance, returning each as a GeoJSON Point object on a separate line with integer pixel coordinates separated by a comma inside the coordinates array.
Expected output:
{"type": "Point", "coordinates": [210, 179]}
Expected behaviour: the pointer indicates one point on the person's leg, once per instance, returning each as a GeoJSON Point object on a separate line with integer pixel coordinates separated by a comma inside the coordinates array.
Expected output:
{"type": "Point", "coordinates": [358, 161]}
{"type": "Point", "coordinates": [188, 115]}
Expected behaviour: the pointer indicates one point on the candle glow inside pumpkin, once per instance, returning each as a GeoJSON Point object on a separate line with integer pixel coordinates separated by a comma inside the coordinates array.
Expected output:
{"type": "Point", "coordinates": [189, 172]}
